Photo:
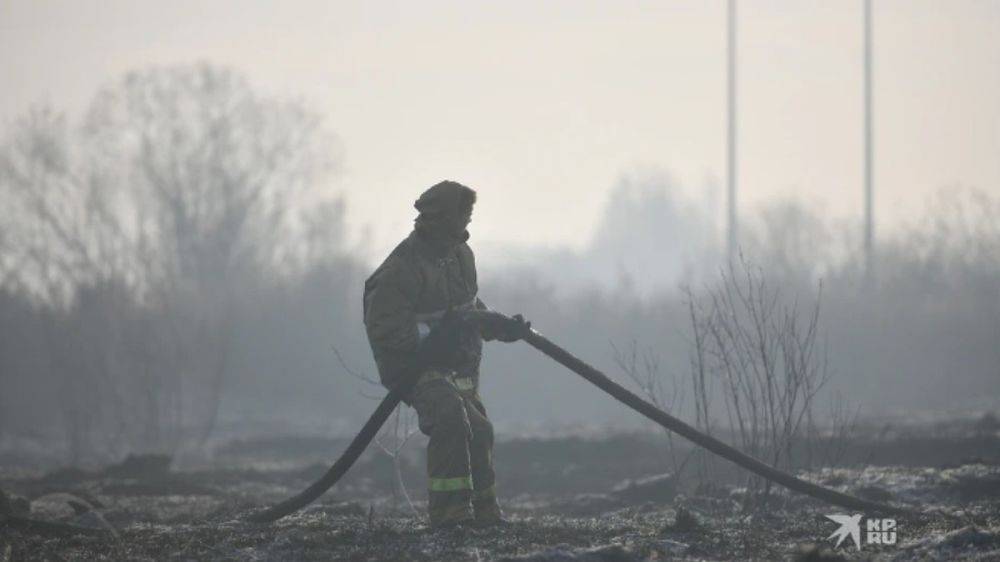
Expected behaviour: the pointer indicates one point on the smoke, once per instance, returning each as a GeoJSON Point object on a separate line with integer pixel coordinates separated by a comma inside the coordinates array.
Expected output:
{"type": "Point", "coordinates": [166, 283]}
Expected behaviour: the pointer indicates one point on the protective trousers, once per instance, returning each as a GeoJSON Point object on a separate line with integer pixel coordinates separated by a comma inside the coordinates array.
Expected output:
{"type": "Point", "coordinates": [460, 451]}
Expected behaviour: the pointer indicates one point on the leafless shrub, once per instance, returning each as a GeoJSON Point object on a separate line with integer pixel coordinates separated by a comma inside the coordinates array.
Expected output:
{"type": "Point", "coordinates": [701, 385]}
{"type": "Point", "coordinates": [644, 369]}
{"type": "Point", "coordinates": [393, 437]}
{"type": "Point", "coordinates": [827, 444]}
{"type": "Point", "coordinates": [765, 357]}
{"type": "Point", "coordinates": [391, 441]}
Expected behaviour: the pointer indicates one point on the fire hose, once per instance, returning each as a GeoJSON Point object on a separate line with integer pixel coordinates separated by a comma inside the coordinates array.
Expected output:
{"type": "Point", "coordinates": [600, 380]}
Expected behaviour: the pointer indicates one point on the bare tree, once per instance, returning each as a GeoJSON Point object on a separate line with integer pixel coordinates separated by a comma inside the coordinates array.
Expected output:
{"type": "Point", "coordinates": [142, 226]}
{"type": "Point", "coordinates": [68, 254]}
{"type": "Point", "coordinates": [50, 210]}
{"type": "Point", "coordinates": [217, 178]}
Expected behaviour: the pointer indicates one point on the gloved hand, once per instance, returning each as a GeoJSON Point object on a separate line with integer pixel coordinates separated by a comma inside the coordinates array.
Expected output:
{"type": "Point", "coordinates": [514, 329]}
{"type": "Point", "coordinates": [441, 345]}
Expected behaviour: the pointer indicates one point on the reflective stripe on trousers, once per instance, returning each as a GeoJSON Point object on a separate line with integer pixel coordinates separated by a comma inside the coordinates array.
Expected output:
{"type": "Point", "coordinates": [465, 384]}
{"type": "Point", "coordinates": [451, 484]}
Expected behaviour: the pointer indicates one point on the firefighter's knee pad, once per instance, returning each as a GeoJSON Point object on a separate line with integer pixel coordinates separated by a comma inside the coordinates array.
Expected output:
{"type": "Point", "coordinates": [482, 429]}
{"type": "Point", "coordinates": [450, 417]}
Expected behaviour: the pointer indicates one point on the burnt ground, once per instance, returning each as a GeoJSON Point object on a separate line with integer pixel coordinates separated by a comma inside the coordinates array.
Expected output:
{"type": "Point", "coordinates": [567, 498]}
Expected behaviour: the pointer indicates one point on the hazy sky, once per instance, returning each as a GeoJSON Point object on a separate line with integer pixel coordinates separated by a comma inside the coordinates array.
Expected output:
{"type": "Point", "coordinates": [541, 106]}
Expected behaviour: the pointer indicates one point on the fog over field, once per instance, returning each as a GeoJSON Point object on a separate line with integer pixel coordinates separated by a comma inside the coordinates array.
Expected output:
{"type": "Point", "coordinates": [169, 274]}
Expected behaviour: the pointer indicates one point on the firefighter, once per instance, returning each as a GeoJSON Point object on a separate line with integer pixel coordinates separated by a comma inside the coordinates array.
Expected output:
{"type": "Point", "coordinates": [412, 309]}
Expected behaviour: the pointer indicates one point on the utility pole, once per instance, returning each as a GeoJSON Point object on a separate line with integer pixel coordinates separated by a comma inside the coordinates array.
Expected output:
{"type": "Point", "coordinates": [732, 226]}
{"type": "Point", "coordinates": [869, 163]}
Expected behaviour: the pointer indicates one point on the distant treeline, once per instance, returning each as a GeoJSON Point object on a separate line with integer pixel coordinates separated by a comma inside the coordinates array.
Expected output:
{"type": "Point", "coordinates": [168, 278]}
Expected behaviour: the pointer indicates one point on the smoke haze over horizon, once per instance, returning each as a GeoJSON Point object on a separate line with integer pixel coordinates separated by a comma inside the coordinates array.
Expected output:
{"type": "Point", "coordinates": [535, 105]}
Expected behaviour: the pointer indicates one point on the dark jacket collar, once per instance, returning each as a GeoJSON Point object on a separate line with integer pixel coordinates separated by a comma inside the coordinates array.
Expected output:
{"type": "Point", "coordinates": [434, 249]}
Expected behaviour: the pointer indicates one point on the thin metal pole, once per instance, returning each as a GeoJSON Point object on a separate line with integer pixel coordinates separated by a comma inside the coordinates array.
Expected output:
{"type": "Point", "coordinates": [869, 162]}
{"type": "Point", "coordinates": [732, 225]}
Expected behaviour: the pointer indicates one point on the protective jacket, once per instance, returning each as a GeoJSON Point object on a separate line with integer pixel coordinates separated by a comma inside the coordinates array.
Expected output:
{"type": "Point", "coordinates": [409, 293]}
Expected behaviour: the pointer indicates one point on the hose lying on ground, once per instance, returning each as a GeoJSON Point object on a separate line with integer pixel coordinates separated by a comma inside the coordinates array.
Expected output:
{"type": "Point", "coordinates": [620, 393]}
{"type": "Point", "coordinates": [339, 468]}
